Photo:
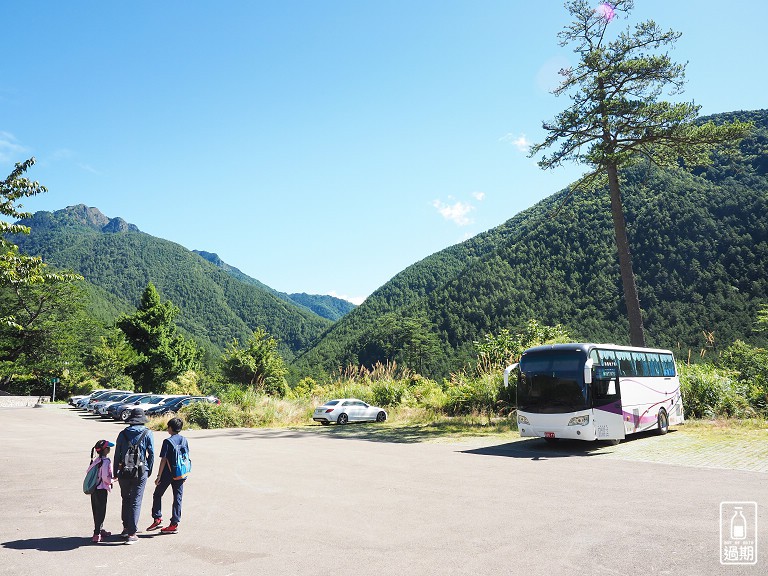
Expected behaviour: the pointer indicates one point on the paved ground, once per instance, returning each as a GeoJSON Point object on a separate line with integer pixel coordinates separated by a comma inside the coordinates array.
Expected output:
{"type": "Point", "coordinates": [320, 501]}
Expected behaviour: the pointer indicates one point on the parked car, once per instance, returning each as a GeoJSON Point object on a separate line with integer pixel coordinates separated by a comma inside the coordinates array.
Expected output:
{"type": "Point", "coordinates": [346, 410]}
{"type": "Point", "coordinates": [176, 405]}
{"type": "Point", "coordinates": [164, 399]}
{"type": "Point", "coordinates": [115, 409]}
{"type": "Point", "coordinates": [72, 401]}
{"type": "Point", "coordinates": [100, 408]}
{"type": "Point", "coordinates": [82, 403]}
{"type": "Point", "coordinates": [114, 395]}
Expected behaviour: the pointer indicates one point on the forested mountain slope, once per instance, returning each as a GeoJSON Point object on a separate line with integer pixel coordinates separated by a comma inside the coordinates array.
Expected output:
{"type": "Point", "coordinates": [120, 260]}
{"type": "Point", "coordinates": [700, 248]}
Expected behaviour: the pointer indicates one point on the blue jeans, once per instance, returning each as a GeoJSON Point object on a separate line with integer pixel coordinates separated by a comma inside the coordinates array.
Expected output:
{"type": "Point", "coordinates": [177, 487]}
{"type": "Point", "coordinates": [132, 491]}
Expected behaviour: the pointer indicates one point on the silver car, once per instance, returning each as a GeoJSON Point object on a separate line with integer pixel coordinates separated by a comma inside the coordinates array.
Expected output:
{"type": "Point", "coordinates": [346, 410]}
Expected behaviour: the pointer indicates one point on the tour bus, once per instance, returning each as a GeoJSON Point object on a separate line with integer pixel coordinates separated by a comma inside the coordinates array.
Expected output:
{"type": "Point", "coordinates": [595, 391]}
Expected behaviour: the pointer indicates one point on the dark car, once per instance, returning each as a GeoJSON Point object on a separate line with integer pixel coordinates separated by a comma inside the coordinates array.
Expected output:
{"type": "Point", "coordinates": [179, 403]}
{"type": "Point", "coordinates": [115, 410]}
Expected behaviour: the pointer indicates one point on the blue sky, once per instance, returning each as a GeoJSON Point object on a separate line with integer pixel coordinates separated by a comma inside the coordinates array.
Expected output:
{"type": "Point", "coordinates": [319, 146]}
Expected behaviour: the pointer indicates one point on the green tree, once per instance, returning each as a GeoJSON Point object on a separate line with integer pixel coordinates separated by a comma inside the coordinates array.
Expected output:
{"type": "Point", "coordinates": [496, 351]}
{"type": "Point", "coordinates": [617, 118]}
{"type": "Point", "coordinates": [258, 364]}
{"type": "Point", "coordinates": [50, 329]}
{"type": "Point", "coordinates": [18, 269]}
{"type": "Point", "coordinates": [39, 309]}
{"type": "Point", "coordinates": [110, 358]}
{"type": "Point", "coordinates": [162, 353]}
{"type": "Point", "coordinates": [409, 341]}
{"type": "Point", "coordinates": [762, 318]}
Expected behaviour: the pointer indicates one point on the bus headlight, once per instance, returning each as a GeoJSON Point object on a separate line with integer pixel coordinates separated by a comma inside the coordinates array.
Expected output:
{"type": "Point", "coordinates": [579, 420]}
{"type": "Point", "coordinates": [522, 419]}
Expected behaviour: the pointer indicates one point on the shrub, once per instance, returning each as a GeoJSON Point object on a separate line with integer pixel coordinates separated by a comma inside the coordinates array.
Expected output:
{"type": "Point", "coordinates": [426, 393]}
{"type": "Point", "coordinates": [751, 366]}
{"type": "Point", "coordinates": [710, 392]}
{"type": "Point", "coordinates": [466, 395]}
{"type": "Point", "coordinates": [187, 383]}
{"type": "Point", "coordinates": [304, 388]}
{"type": "Point", "coordinates": [207, 415]}
{"type": "Point", "coordinates": [388, 393]}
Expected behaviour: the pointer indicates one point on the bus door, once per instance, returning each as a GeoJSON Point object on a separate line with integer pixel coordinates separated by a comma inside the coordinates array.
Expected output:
{"type": "Point", "coordinates": [606, 403]}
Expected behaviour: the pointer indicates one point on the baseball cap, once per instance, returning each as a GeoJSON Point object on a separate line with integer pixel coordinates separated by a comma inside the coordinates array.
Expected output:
{"type": "Point", "coordinates": [101, 444]}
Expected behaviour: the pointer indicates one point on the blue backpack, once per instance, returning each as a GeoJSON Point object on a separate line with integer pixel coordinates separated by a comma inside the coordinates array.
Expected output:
{"type": "Point", "coordinates": [92, 478]}
{"type": "Point", "coordinates": [181, 466]}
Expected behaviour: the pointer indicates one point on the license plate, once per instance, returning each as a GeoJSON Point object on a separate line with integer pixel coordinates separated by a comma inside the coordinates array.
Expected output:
{"type": "Point", "coordinates": [549, 434]}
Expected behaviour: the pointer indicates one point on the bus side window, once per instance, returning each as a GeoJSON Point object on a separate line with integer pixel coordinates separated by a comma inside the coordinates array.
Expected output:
{"type": "Point", "coordinates": [626, 365]}
{"type": "Point", "coordinates": [640, 361]}
{"type": "Point", "coordinates": [668, 364]}
{"type": "Point", "coordinates": [654, 364]}
{"type": "Point", "coordinates": [607, 357]}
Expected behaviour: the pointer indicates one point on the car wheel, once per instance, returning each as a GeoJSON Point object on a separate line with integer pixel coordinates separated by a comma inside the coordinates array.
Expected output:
{"type": "Point", "coordinates": [124, 415]}
{"type": "Point", "coordinates": [325, 423]}
{"type": "Point", "coordinates": [381, 416]}
{"type": "Point", "coordinates": [342, 419]}
{"type": "Point", "coordinates": [663, 422]}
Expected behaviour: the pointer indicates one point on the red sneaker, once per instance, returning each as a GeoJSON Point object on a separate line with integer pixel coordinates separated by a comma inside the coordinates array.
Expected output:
{"type": "Point", "coordinates": [96, 538]}
{"type": "Point", "coordinates": [155, 524]}
{"type": "Point", "coordinates": [170, 529]}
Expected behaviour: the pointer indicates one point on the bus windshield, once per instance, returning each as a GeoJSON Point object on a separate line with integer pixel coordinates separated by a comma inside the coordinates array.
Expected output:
{"type": "Point", "coordinates": [552, 381]}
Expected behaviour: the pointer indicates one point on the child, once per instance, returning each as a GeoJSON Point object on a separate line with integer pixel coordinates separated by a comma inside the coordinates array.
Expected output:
{"type": "Point", "coordinates": [99, 496]}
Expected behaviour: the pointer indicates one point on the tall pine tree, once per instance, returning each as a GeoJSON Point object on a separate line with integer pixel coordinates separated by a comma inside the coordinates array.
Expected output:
{"type": "Point", "coordinates": [616, 118]}
{"type": "Point", "coordinates": [163, 353]}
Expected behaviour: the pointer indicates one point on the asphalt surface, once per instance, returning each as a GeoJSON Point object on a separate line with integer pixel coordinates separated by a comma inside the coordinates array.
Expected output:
{"type": "Point", "coordinates": [283, 502]}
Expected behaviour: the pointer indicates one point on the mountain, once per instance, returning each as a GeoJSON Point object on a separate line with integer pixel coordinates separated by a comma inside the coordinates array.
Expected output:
{"type": "Point", "coordinates": [120, 260]}
{"type": "Point", "coordinates": [699, 240]}
{"type": "Point", "coordinates": [326, 306]}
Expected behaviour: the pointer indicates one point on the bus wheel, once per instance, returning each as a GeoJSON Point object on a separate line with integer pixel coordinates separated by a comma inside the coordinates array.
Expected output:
{"type": "Point", "coordinates": [663, 422]}
{"type": "Point", "coordinates": [613, 442]}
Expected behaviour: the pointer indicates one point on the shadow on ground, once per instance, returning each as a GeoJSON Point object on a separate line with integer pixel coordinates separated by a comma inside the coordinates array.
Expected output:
{"type": "Point", "coordinates": [540, 449]}
{"type": "Point", "coordinates": [52, 544]}
{"type": "Point", "coordinates": [371, 432]}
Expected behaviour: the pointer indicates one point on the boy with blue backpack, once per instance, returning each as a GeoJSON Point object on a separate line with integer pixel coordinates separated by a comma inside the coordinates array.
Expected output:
{"type": "Point", "coordinates": [174, 467]}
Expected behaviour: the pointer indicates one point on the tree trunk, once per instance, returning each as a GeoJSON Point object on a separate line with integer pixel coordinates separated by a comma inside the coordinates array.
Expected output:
{"type": "Point", "coordinates": [631, 298]}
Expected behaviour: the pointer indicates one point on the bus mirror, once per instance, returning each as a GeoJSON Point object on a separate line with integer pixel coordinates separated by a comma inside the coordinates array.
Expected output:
{"type": "Point", "coordinates": [588, 371]}
{"type": "Point", "coordinates": [507, 372]}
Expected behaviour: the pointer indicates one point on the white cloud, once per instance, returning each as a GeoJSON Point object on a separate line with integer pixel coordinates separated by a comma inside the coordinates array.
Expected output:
{"type": "Point", "coordinates": [458, 212]}
{"type": "Point", "coordinates": [479, 196]}
{"type": "Point", "coordinates": [89, 168]}
{"type": "Point", "coordinates": [520, 142]}
{"type": "Point", "coordinates": [356, 300]}
{"type": "Point", "coordinates": [10, 149]}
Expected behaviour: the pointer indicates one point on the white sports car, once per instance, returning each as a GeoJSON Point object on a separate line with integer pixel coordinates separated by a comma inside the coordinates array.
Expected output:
{"type": "Point", "coordinates": [348, 410]}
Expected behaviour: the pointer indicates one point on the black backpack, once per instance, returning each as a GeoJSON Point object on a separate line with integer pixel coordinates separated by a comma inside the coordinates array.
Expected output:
{"type": "Point", "coordinates": [135, 459]}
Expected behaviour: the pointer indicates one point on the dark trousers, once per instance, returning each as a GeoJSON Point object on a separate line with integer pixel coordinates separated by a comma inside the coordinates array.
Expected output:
{"type": "Point", "coordinates": [132, 491]}
{"type": "Point", "coordinates": [177, 487]}
{"type": "Point", "coordinates": [99, 507]}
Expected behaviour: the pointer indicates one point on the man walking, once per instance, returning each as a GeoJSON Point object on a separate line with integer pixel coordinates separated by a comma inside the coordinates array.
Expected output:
{"type": "Point", "coordinates": [134, 456]}
{"type": "Point", "coordinates": [172, 447]}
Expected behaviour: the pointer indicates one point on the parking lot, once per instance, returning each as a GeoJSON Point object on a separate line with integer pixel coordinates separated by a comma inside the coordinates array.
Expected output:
{"type": "Point", "coordinates": [313, 501]}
